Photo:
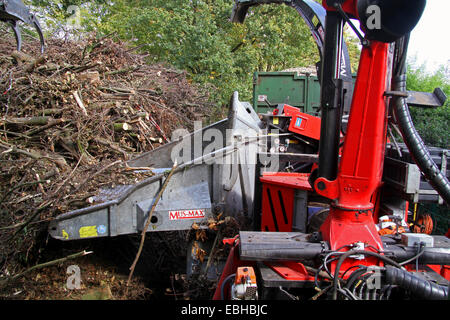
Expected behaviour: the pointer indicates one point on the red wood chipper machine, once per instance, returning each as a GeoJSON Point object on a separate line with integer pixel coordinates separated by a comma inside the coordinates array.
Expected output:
{"type": "Point", "coordinates": [322, 228]}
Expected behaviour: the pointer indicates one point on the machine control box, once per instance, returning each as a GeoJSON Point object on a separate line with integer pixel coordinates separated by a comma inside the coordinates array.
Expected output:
{"type": "Point", "coordinates": [415, 239]}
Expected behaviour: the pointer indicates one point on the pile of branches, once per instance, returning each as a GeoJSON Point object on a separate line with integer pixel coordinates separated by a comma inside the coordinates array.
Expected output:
{"type": "Point", "coordinates": [69, 120]}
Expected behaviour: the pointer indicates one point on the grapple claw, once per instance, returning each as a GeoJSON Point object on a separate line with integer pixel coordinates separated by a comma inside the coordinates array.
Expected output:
{"type": "Point", "coordinates": [12, 11]}
{"type": "Point", "coordinates": [17, 34]}
{"type": "Point", "coordinates": [38, 28]}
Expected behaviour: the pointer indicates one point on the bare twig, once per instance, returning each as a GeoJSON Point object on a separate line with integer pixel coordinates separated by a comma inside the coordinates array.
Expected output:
{"type": "Point", "coordinates": [97, 173]}
{"type": "Point", "coordinates": [19, 186]}
{"type": "Point", "coordinates": [31, 218]}
{"type": "Point", "coordinates": [144, 231]}
{"type": "Point", "coordinates": [50, 124]}
{"type": "Point", "coordinates": [79, 102]}
{"type": "Point", "coordinates": [44, 265]}
{"type": "Point", "coordinates": [70, 175]}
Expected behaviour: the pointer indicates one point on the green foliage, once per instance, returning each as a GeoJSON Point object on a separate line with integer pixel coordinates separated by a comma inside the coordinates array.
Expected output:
{"type": "Point", "coordinates": [68, 18]}
{"type": "Point", "coordinates": [353, 48]}
{"type": "Point", "coordinates": [432, 124]}
{"type": "Point", "coordinates": [198, 36]}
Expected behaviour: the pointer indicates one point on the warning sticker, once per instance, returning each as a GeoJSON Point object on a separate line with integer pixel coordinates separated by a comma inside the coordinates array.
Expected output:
{"type": "Point", "coordinates": [88, 231]}
{"type": "Point", "coordinates": [186, 214]}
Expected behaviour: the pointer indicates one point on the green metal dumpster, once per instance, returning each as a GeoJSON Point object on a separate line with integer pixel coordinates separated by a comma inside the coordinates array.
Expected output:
{"type": "Point", "coordinates": [301, 91]}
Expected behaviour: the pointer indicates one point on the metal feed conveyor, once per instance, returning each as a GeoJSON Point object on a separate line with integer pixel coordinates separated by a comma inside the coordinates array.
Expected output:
{"type": "Point", "coordinates": [208, 180]}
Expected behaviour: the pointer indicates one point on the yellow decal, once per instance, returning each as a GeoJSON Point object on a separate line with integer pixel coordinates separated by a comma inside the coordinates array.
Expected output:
{"type": "Point", "coordinates": [315, 20]}
{"type": "Point", "coordinates": [88, 231]}
{"type": "Point", "coordinates": [65, 234]}
{"type": "Point", "coordinates": [276, 120]}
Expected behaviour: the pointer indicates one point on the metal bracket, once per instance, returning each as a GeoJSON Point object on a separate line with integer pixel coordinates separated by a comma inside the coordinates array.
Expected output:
{"type": "Point", "coordinates": [426, 99]}
{"type": "Point", "coordinates": [421, 99]}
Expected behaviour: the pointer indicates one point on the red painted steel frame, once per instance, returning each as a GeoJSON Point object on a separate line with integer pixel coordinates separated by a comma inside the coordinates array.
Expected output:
{"type": "Point", "coordinates": [348, 6]}
{"type": "Point", "coordinates": [233, 262]}
{"type": "Point", "coordinates": [278, 191]}
{"type": "Point", "coordinates": [361, 166]}
{"type": "Point", "coordinates": [309, 125]}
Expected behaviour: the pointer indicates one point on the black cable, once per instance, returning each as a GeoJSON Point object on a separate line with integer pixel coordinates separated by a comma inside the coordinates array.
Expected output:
{"type": "Point", "coordinates": [316, 278]}
{"type": "Point", "coordinates": [324, 264]}
{"type": "Point", "coordinates": [324, 291]}
{"type": "Point", "coordinates": [335, 252]}
{"type": "Point", "coordinates": [316, 275]}
{"type": "Point", "coordinates": [421, 251]}
{"type": "Point", "coordinates": [355, 252]}
{"type": "Point", "coordinates": [352, 267]}
{"type": "Point", "coordinates": [355, 276]}
{"type": "Point", "coordinates": [386, 291]}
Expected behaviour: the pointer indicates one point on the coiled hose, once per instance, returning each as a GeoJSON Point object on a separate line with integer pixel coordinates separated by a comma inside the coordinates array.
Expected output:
{"type": "Point", "coordinates": [419, 287]}
{"type": "Point", "coordinates": [411, 137]}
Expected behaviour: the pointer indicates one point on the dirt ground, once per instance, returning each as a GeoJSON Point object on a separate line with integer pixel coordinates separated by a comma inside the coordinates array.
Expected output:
{"type": "Point", "coordinates": [160, 273]}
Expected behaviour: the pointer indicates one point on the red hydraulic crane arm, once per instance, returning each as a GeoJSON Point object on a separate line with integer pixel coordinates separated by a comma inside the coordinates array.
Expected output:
{"type": "Point", "coordinates": [352, 182]}
{"type": "Point", "coordinates": [361, 167]}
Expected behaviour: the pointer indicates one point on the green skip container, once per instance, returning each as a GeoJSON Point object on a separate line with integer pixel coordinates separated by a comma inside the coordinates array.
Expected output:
{"type": "Point", "coordinates": [298, 90]}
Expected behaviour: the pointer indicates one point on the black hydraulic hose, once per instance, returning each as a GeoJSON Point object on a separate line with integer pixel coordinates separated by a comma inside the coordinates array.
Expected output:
{"type": "Point", "coordinates": [354, 276]}
{"type": "Point", "coordinates": [411, 137]}
{"type": "Point", "coordinates": [414, 142]}
{"type": "Point", "coordinates": [224, 283]}
{"type": "Point", "coordinates": [418, 286]}
{"type": "Point", "coordinates": [421, 251]}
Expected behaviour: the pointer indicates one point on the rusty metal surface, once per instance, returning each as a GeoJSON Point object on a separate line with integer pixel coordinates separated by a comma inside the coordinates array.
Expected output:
{"type": "Point", "coordinates": [426, 99]}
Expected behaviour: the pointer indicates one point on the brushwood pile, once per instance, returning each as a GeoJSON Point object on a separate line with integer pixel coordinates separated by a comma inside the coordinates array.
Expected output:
{"type": "Point", "coordinates": [69, 121]}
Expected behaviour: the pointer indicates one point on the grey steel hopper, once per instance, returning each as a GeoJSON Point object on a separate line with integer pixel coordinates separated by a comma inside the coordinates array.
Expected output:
{"type": "Point", "coordinates": [215, 173]}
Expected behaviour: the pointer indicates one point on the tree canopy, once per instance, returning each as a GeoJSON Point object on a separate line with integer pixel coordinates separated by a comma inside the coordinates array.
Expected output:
{"type": "Point", "coordinates": [197, 36]}
{"type": "Point", "coordinates": [432, 124]}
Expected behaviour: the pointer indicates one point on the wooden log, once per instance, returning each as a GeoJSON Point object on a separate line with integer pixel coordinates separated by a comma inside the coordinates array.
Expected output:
{"type": "Point", "coordinates": [90, 76]}
{"type": "Point", "coordinates": [123, 96]}
{"type": "Point", "coordinates": [156, 140]}
{"type": "Point", "coordinates": [120, 71]}
{"type": "Point", "coordinates": [118, 90]}
{"type": "Point", "coordinates": [51, 111]}
{"type": "Point", "coordinates": [28, 121]}
{"type": "Point", "coordinates": [80, 102]}
{"type": "Point", "coordinates": [51, 123]}
{"type": "Point", "coordinates": [21, 56]}
{"type": "Point", "coordinates": [33, 64]}
{"type": "Point", "coordinates": [113, 146]}
{"type": "Point", "coordinates": [121, 126]}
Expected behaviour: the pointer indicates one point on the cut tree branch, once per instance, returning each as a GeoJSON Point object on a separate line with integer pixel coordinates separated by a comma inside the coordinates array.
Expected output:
{"type": "Point", "coordinates": [144, 231]}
